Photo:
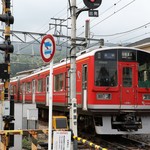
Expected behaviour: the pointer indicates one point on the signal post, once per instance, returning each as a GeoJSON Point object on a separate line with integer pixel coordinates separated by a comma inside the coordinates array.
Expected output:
{"type": "Point", "coordinates": [91, 4]}
{"type": "Point", "coordinates": [7, 47]}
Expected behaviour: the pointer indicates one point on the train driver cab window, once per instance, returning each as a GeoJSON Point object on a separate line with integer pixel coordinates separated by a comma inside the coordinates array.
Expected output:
{"type": "Point", "coordinates": [58, 82]}
{"type": "Point", "coordinates": [106, 68]}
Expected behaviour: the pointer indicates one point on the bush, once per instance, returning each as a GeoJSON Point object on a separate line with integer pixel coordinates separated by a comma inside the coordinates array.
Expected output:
{"type": "Point", "coordinates": [26, 143]}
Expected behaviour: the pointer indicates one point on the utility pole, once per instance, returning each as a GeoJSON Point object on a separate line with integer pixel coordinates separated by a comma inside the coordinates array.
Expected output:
{"type": "Point", "coordinates": [73, 100]}
{"type": "Point", "coordinates": [73, 109]}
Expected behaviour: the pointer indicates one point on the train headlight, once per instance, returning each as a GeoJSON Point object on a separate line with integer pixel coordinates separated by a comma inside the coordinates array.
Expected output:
{"type": "Point", "coordinates": [146, 96]}
{"type": "Point", "coordinates": [103, 96]}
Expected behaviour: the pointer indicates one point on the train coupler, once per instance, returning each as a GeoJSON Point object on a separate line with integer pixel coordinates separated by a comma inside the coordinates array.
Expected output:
{"type": "Point", "coordinates": [126, 122]}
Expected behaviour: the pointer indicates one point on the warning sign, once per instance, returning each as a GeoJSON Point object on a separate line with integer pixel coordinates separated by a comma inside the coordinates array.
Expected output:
{"type": "Point", "coordinates": [47, 48]}
{"type": "Point", "coordinates": [61, 140]}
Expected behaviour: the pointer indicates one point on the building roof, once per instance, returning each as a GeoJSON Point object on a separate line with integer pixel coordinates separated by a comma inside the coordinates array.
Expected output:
{"type": "Point", "coordinates": [145, 42]}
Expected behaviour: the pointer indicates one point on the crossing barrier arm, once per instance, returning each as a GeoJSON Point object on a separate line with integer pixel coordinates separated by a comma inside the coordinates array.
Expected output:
{"type": "Point", "coordinates": [84, 141]}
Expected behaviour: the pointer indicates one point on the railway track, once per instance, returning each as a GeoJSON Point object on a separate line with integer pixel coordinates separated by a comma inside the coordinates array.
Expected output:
{"type": "Point", "coordinates": [116, 143]}
{"type": "Point", "coordinates": [112, 142]}
{"type": "Point", "coordinates": [123, 143]}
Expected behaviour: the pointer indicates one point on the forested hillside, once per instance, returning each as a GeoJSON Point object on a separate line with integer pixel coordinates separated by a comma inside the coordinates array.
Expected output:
{"type": "Point", "coordinates": [27, 57]}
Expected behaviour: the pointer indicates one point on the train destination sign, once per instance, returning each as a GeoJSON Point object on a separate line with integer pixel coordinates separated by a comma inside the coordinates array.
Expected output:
{"type": "Point", "coordinates": [47, 48]}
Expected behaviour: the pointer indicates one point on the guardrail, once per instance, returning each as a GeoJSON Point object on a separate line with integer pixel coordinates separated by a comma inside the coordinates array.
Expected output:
{"type": "Point", "coordinates": [5, 135]}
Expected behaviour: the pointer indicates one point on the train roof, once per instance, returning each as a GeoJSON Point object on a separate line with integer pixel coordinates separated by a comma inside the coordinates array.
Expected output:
{"type": "Point", "coordinates": [93, 50]}
{"type": "Point", "coordinates": [83, 54]}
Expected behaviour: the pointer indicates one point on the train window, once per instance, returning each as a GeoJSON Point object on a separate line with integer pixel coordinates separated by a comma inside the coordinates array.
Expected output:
{"type": "Point", "coordinates": [13, 89]}
{"type": "Point", "coordinates": [144, 78]}
{"type": "Point", "coordinates": [127, 77]}
{"type": "Point", "coordinates": [84, 76]}
{"type": "Point", "coordinates": [58, 82]}
{"type": "Point", "coordinates": [106, 68]}
{"type": "Point", "coordinates": [28, 87]}
{"type": "Point", "coordinates": [98, 56]}
{"type": "Point", "coordinates": [40, 85]}
{"type": "Point", "coordinates": [143, 59]}
{"type": "Point", "coordinates": [21, 88]}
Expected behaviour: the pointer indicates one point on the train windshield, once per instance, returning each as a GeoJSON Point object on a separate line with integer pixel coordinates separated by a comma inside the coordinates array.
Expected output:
{"type": "Point", "coordinates": [106, 73]}
{"type": "Point", "coordinates": [106, 68]}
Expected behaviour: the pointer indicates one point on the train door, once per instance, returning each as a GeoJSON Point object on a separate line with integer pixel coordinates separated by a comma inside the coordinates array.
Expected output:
{"type": "Point", "coordinates": [47, 90]}
{"type": "Point", "coordinates": [23, 92]}
{"type": "Point", "coordinates": [33, 91]}
{"type": "Point", "coordinates": [84, 87]}
{"type": "Point", "coordinates": [128, 82]}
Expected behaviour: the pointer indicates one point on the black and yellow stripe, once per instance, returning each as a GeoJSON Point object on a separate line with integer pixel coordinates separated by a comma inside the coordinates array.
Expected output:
{"type": "Point", "coordinates": [84, 141]}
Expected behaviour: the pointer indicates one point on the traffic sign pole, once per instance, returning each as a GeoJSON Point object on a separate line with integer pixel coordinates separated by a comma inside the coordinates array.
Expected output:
{"type": "Point", "coordinates": [50, 105]}
{"type": "Point", "coordinates": [47, 50]}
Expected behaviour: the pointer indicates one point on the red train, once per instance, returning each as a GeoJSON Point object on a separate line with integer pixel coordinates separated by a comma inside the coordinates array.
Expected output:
{"type": "Point", "coordinates": [113, 90]}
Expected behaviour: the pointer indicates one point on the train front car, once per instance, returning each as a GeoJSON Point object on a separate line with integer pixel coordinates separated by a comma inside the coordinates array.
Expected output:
{"type": "Point", "coordinates": [120, 97]}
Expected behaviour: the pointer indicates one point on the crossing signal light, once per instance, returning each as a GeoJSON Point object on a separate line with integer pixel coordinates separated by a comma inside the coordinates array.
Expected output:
{"type": "Point", "coordinates": [92, 1]}
{"type": "Point", "coordinates": [7, 18]}
{"type": "Point", "coordinates": [92, 4]}
{"type": "Point", "coordinates": [7, 47]}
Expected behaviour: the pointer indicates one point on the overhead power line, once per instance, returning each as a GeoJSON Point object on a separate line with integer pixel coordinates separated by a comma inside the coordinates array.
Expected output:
{"type": "Point", "coordinates": [113, 13]}
{"type": "Point", "coordinates": [124, 32]}
{"type": "Point", "coordinates": [100, 15]}
{"type": "Point", "coordinates": [137, 36]}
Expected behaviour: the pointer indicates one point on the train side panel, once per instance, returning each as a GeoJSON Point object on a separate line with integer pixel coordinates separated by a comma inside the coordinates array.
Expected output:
{"type": "Point", "coordinates": [60, 85]}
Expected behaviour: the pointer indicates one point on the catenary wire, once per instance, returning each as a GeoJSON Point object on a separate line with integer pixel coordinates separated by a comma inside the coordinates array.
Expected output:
{"type": "Point", "coordinates": [113, 13]}
{"type": "Point", "coordinates": [124, 32]}
{"type": "Point", "coordinates": [100, 15]}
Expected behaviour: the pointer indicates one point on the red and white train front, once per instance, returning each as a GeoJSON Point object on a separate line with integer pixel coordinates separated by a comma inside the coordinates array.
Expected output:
{"type": "Point", "coordinates": [119, 91]}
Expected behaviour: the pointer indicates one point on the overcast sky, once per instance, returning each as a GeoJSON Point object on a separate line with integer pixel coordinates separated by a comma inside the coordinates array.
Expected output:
{"type": "Point", "coordinates": [115, 16]}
